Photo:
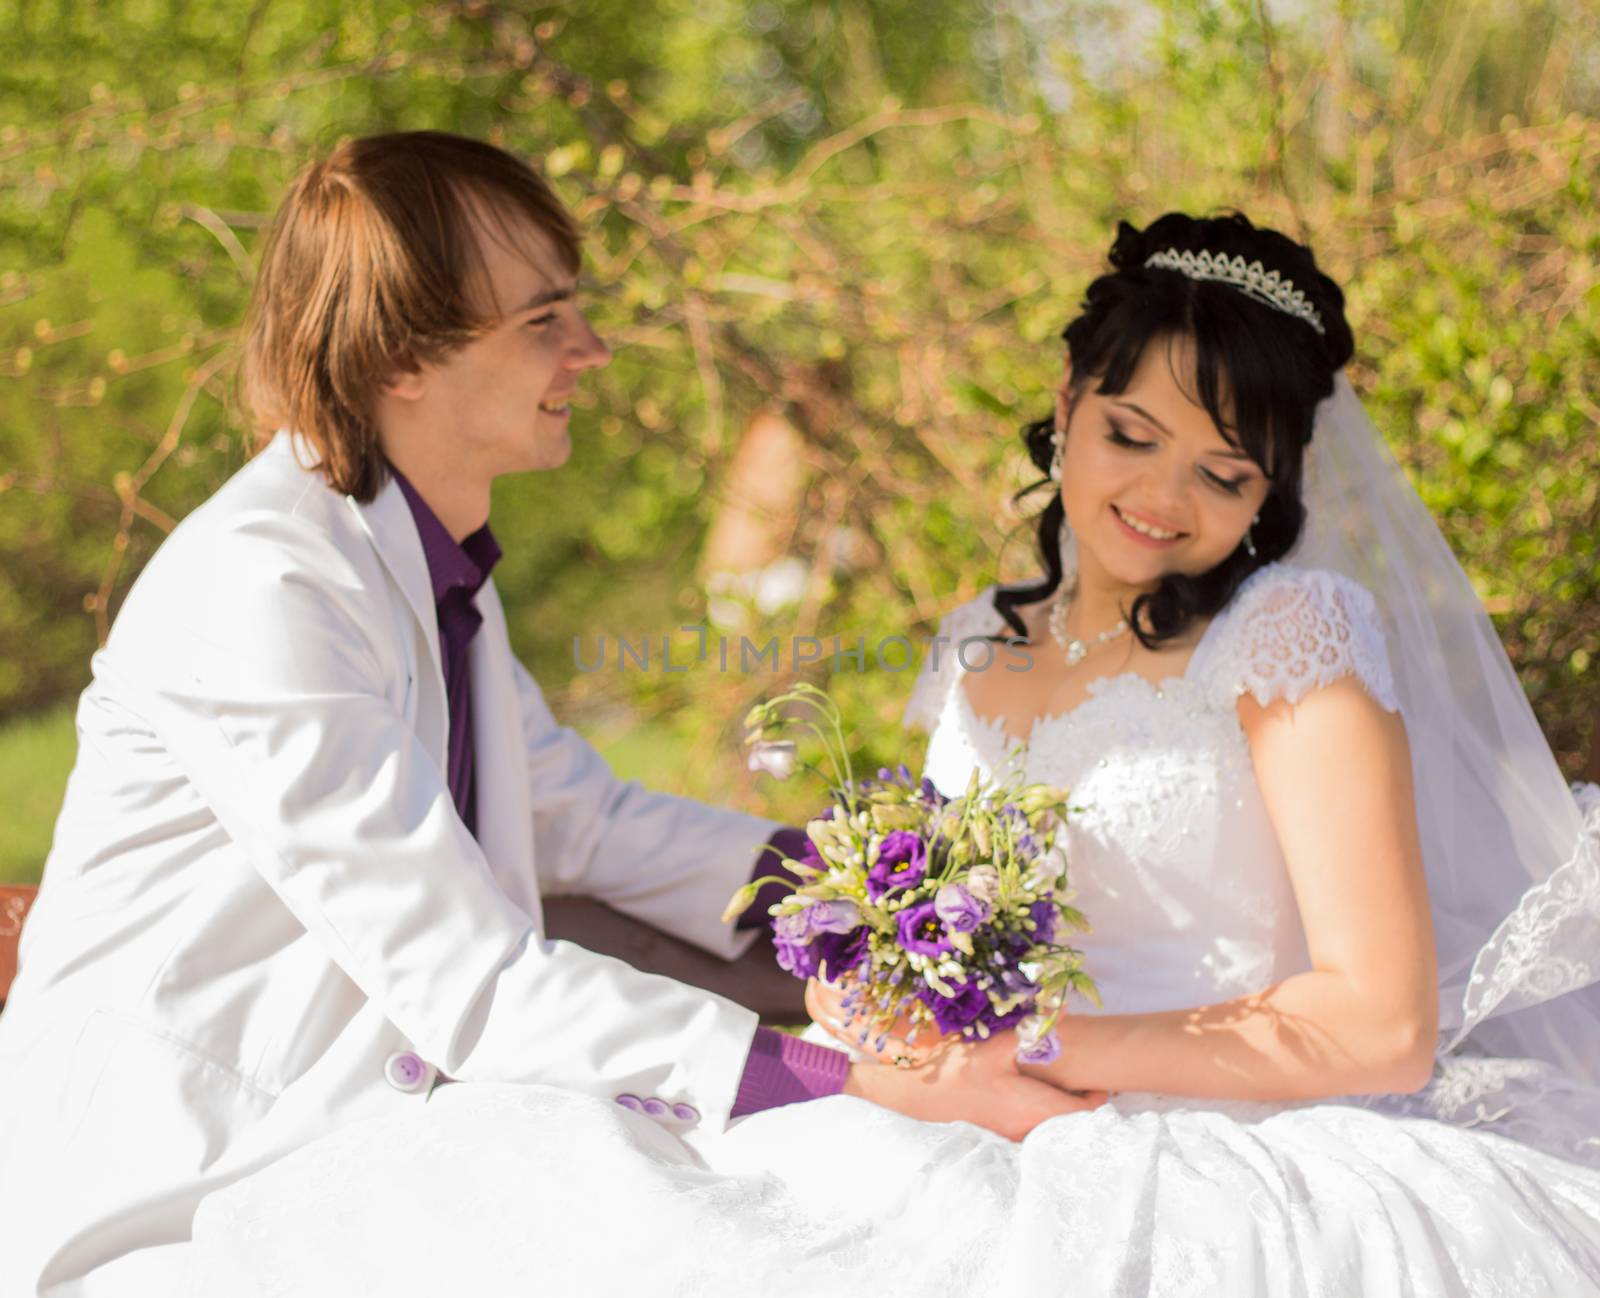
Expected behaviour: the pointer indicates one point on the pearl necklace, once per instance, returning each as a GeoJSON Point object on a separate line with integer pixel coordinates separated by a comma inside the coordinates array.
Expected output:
{"type": "Point", "coordinates": [1078, 650]}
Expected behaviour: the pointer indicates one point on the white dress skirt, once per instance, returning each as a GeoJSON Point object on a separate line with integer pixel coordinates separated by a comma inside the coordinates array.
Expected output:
{"type": "Point", "coordinates": [515, 1190]}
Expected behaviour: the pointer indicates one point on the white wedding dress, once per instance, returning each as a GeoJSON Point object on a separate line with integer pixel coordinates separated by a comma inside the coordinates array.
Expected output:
{"type": "Point", "coordinates": [491, 1190]}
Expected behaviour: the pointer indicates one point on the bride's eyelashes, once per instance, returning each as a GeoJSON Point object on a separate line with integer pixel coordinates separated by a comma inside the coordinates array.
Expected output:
{"type": "Point", "coordinates": [1233, 486]}
{"type": "Point", "coordinates": [1117, 437]}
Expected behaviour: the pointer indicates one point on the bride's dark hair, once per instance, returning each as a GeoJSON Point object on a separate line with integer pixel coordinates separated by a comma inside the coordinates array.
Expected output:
{"type": "Point", "coordinates": [1259, 372]}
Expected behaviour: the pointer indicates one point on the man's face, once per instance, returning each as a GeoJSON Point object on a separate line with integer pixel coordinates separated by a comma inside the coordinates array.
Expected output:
{"type": "Point", "coordinates": [500, 404]}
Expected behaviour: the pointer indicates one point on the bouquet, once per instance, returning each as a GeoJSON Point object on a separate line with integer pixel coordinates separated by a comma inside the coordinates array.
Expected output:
{"type": "Point", "coordinates": [934, 914]}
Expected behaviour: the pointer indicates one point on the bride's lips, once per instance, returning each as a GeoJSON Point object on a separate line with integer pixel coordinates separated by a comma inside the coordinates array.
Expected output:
{"type": "Point", "coordinates": [1150, 542]}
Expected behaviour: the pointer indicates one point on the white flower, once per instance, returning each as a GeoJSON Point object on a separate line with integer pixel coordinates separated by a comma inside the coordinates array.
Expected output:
{"type": "Point", "coordinates": [983, 882]}
{"type": "Point", "coordinates": [740, 902]}
{"type": "Point", "coordinates": [774, 756]}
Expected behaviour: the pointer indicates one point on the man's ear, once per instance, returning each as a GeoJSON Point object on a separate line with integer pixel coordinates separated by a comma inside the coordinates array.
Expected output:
{"type": "Point", "coordinates": [406, 383]}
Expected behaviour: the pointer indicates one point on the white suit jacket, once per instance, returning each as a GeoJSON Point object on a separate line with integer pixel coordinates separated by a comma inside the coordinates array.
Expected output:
{"type": "Point", "coordinates": [260, 890]}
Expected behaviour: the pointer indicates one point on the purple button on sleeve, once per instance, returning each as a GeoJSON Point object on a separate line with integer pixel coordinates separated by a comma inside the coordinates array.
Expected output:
{"type": "Point", "coordinates": [656, 1108]}
{"type": "Point", "coordinates": [405, 1071]}
{"type": "Point", "coordinates": [631, 1102]}
{"type": "Point", "coordinates": [784, 1070]}
{"type": "Point", "coordinates": [686, 1113]}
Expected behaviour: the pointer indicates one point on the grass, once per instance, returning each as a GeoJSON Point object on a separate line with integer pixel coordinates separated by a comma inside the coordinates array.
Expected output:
{"type": "Point", "coordinates": [36, 756]}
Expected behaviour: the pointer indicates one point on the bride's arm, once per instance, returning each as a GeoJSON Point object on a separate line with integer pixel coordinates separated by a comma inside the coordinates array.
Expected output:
{"type": "Point", "coordinates": [1335, 773]}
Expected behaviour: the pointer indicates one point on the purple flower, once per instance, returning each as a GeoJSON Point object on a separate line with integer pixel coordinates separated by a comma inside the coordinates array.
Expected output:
{"type": "Point", "coordinates": [833, 916]}
{"type": "Point", "coordinates": [902, 861]}
{"type": "Point", "coordinates": [952, 1013]}
{"type": "Point", "coordinates": [931, 794]}
{"type": "Point", "coordinates": [824, 931]}
{"type": "Point", "coordinates": [797, 957]}
{"type": "Point", "coordinates": [819, 917]}
{"type": "Point", "coordinates": [1044, 916]}
{"type": "Point", "coordinates": [1046, 1050]}
{"type": "Point", "coordinates": [999, 1022]}
{"type": "Point", "coordinates": [922, 931]}
{"type": "Point", "coordinates": [958, 908]}
{"type": "Point", "coordinates": [840, 952]}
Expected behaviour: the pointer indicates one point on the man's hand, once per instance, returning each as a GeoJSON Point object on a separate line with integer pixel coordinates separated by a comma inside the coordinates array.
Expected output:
{"type": "Point", "coordinates": [825, 1004]}
{"type": "Point", "coordinates": [969, 1081]}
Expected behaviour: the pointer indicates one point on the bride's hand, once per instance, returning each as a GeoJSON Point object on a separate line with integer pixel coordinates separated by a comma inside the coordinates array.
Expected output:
{"type": "Point", "coordinates": [970, 1081]}
{"type": "Point", "coordinates": [825, 1004]}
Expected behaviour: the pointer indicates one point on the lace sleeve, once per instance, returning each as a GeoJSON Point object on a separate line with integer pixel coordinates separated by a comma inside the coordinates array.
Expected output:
{"type": "Point", "coordinates": [940, 665]}
{"type": "Point", "coordinates": [1296, 630]}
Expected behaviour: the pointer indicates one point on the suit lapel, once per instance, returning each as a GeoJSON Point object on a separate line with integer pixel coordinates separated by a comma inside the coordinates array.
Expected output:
{"type": "Point", "coordinates": [387, 521]}
{"type": "Point", "coordinates": [500, 770]}
{"type": "Point", "coordinates": [505, 818]}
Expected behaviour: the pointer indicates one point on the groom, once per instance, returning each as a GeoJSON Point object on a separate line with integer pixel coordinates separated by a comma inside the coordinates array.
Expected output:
{"type": "Point", "coordinates": [296, 880]}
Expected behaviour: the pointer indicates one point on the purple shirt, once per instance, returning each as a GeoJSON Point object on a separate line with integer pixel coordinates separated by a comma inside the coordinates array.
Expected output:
{"type": "Point", "coordinates": [457, 573]}
{"type": "Point", "coordinates": [780, 1069]}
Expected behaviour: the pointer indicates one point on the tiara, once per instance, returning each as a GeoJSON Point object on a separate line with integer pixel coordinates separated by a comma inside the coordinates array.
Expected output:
{"type": "Point", "coordinates": [1250, 278]}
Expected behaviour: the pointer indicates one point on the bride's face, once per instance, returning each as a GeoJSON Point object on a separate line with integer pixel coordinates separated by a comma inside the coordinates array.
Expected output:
{"type": "Point", "coordinates": [1149, 483]}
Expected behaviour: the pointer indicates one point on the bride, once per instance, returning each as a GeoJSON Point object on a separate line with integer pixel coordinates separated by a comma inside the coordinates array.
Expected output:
{"type": "Point", "coordinates": [1345, 910]}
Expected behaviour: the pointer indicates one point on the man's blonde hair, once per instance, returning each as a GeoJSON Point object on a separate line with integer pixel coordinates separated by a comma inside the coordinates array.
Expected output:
{"type": "Point", "coordinates": [369, 269]}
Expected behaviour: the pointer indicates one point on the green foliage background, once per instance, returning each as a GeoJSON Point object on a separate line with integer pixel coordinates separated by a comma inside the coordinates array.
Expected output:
{"type": "Point", "coordinates": [870, 215]}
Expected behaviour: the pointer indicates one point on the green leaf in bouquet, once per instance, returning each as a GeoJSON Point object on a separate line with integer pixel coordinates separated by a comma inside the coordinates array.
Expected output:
{"type": "Point", "coordinates": [980, 836]}
{"type": "Point", "coordinates": [1074, 918]}
{"type": "Point", "coordinates": [1085, 986]}
{"type": "Point", "coordinates": [888, 819]}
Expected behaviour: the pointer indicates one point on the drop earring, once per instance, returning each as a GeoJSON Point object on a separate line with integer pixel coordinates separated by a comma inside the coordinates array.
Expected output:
{"type": "Point", "coordinates": [1249, 540]}
{"type": "Point", "coordinates": [1057, 442]}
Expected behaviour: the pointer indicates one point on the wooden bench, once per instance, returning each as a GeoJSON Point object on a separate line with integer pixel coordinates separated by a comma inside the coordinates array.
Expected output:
{"type": "Point", "coordinates": [754, 980]}
{"type": "Point", "coordinates": [14, 903]}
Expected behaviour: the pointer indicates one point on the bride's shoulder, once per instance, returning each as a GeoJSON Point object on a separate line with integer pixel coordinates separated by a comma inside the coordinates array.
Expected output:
{"type": "Point", "coordinates": [1289, 630]}
{"type": "Point", "coordinates": [976, 618]}
{"type": "Point", "coordinates": [1284, 589]}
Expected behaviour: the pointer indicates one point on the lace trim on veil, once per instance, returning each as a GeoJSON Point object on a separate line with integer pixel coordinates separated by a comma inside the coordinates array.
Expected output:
{"type": "Point", "coordinates": [1550, 944]}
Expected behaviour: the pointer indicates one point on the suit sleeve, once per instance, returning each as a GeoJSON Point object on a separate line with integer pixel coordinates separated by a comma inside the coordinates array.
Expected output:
{"type": "Point", "coordinates": [279, 692]}
{"type": "Point", "coordinates": [668, 861]}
